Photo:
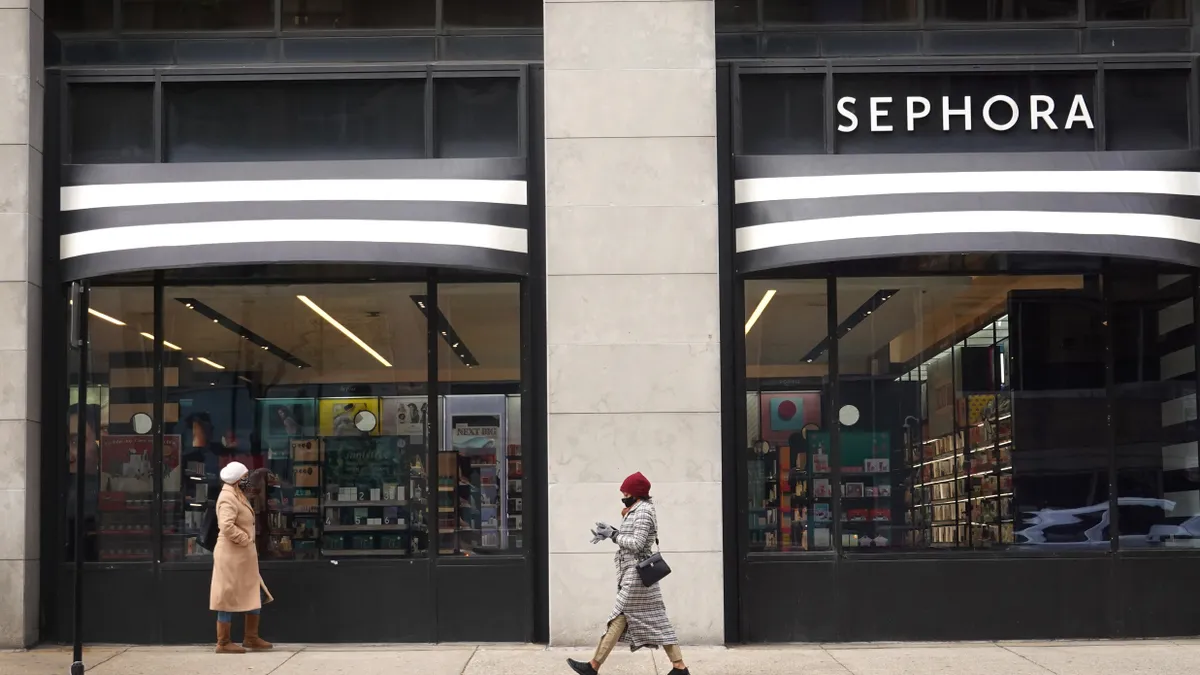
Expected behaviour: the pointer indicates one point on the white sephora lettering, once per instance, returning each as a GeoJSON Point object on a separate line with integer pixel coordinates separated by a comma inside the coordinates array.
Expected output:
{"type": "Point", "coordinates": [1000, 113]}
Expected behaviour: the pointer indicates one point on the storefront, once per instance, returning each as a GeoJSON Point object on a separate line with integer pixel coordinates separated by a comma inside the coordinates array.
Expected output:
{"type": "Point", "coordinates": [323, 275]}
{"type": "Point", "coordinates": [963, 360]}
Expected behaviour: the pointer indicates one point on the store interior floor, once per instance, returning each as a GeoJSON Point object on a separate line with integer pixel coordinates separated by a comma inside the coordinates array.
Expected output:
{"type": "Point", "coordinates": [1101, 657]}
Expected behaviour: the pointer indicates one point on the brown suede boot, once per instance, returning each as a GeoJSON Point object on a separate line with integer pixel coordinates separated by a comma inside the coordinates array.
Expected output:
{"type": "Point", "coordinates": [224, 644]}
{"type": "Point", "coordinates": [252, 641]}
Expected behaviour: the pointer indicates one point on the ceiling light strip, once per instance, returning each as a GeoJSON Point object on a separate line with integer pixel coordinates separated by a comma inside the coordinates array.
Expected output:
{"type": "Point", "coordinates": [448, 333]}
{"type": "Point", "coordinates": [207, 362]}
{"type": "Point", "coordinates": [345, 331]}
{"type": "Point", "coordinates": [762, 306]}
{"type": "Point", "coordinates": [165, 343]}
{"type": "Point", "coordinates": [105, 317]}
{"type": "Point", "coordinates": [856, 317]}
{"type": "Point", "coordinates": [240, 330]}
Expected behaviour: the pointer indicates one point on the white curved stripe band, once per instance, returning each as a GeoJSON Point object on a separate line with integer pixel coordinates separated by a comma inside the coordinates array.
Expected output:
{"type": "Point", "coordinates": [773, 235]}
{"type": "Point", "coordinates": [1183, 183]}
{"type": "Point", "coordinates": [80, 197]}
{"type": "Point", "coordinates": [168, 235]}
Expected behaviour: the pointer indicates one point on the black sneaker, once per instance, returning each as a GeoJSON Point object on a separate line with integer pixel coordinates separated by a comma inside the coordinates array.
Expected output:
{"type": "Point", "coordinates": [581, 667]}
{"type": "Point", "coordinates": [676, 671]}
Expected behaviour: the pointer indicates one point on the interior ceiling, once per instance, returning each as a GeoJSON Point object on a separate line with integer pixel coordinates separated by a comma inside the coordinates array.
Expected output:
{"type": "Point", "coordinates": [384, 316]}
{"type": "Point", "coordinates": [923, 312]}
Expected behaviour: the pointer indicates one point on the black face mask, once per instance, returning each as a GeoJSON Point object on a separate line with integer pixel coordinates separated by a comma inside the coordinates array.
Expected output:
{"type": "Point", "coordinates": [629, 501]}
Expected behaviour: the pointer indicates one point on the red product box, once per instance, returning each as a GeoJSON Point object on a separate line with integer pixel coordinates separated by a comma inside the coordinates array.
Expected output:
{"type": "Point", "coordinates": [858, 515]}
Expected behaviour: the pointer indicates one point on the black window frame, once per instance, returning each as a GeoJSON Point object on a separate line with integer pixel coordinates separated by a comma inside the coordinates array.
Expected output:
{"type": "Point", "coordinates": [439, 28]}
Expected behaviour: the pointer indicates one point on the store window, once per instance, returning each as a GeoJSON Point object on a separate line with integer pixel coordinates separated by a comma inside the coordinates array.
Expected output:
{"type": "Point", "coordinates": [111, 123]}
{"type": "Point", "coordinates": [481, 507]}
{"type": "Point", "coordinates": [953, 112]}
{"type": "Point", "coordinates": [782, 114]}
{"type": "Point", "coordinates": [321, 390]}
{"type": "Point", "coordinates": [358, 14]}
{"type": "Point", "coordinates": [789, 490]}
{"type": "Point", "coordinates": [1154, 418]}
{"type": "Point", "coordinates": [179, 15]}
{"type": "Point", "coordinates": [838, 11]}
{"type": "Point", "coordinates": [1008, 10]}
{"type": "Point", "coordinates": [971, 412]}
{"type": "Point", "coordinates": [294, 120]}
{"type": "Point", "coordinates": [116, 451]}
{"type": "Point", "coordinates": [1136, 10]}
{"type": "Point", "coordinates": [477, 117]}
{"type": "Point", "coordinates": [492, 14]}
{"type": "Point", "coordinates": [1146, 109]}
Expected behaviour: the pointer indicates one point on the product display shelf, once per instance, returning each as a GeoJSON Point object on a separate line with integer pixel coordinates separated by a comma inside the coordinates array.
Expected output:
{"type": "Point", "coordinates": [936, 488]}
{"type": "Point", "coordinates": [514, 502]}
{"type": "Point", "coordinates": [454, 487]}
{"type": "Point", "coordinates": [372, 497]}
{"type": "Point", "coordinates": [990, 466]}
{"type": "Point", "coordinates": [197, 488]}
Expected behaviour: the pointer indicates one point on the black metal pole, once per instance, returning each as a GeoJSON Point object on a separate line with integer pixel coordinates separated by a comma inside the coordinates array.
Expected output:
{"type": "Point", "coordinates": [79, 307]}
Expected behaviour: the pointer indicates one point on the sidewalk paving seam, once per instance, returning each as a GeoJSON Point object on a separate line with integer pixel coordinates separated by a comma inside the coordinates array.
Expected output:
{"type": "Point", "coordinates": [110, 658]}
{"type": "Point", "coordinates": [285, 661]}
{"type": "Point", "coordinates": [835, 660]}
{"type": "Point", "coordinates": [469, 660]}
{"type": "Point", "coordinates": [1022, 656]}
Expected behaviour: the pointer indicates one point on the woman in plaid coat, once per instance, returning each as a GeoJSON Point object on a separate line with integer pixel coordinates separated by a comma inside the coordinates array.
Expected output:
{"type": "Point", "coordinates": [639, 617]}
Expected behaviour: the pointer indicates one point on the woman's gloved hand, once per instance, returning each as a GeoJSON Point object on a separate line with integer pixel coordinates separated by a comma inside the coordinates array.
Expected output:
{"type": "Point", "coordinates": [605, 531]}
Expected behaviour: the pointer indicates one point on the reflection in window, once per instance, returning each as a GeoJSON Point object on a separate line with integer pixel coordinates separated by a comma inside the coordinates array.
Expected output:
{"type": "Point", "coordinates": [788, 447]}
{"type": "Point", "coordinates": [492, 13]}
{"type": "Point", "coordinates": [1136, 10]}
{"type": "Point", "coordinates": [838, 11]}
{"type": "Point", "coordinates": [1146, 110]}
{"type": "Point", "coordinates": [196, 15]}
{"type": "Point", "coordinates": [480, 467]}
{"type": "Point", "coordinates": [476, 117]}
{"type": "Point", "coordinates": [783, 114]}
{"type": "Point", "coordinates": [112, 123]}
{"type": "Point", "coordinates": [321, 391]}
{"type": "Point", "coordinates": [1001, 10]}
{"type": "Point", "coordinates": [79, 15]}
{"type": "Point", "coordinates": [118, 462]}
{"type": "Point", "coordinates": [299, 120]}
{"type": "Point", "coordinates": [358, 14]}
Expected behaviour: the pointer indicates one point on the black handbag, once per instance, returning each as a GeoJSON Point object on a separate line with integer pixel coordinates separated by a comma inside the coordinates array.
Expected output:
{"type": "Point", "coordinates": [653, 569]}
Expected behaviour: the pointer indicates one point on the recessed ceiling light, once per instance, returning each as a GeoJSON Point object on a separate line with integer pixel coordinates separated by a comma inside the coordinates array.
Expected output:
{"type": "Point", "coordinates": [207, 362]}
{"type": "Point", "coordinates": [165, 343]}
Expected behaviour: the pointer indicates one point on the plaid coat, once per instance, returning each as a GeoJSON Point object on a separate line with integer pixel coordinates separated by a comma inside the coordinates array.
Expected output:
{"type": "Point", "coordinates": [645, 614]}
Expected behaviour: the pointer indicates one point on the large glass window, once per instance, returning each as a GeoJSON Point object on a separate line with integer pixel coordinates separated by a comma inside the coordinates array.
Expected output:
{"type": "Point", "coordinates": [298, 120]}
{"type": "Point", "coordinates": [79, 15]}
{"type": "Point", "coordinates": [320, 390]}
{"type": "Point", "coordinates": [323, 391]}
{"type": "Point", "coordinates": [491, 14]}
{"type": "Point", "coordinates": [783, 114]}
{"type": "Point", "coordinates": [116, 451]}
{"type": "Point", "coordinates": [480, 471]}
{"type": "Point", "coordinates": [972, 412]}
{"type": "Point", "coordinates": [790, 484]}
{"type": "Point", "coordinates": [1001, 10]}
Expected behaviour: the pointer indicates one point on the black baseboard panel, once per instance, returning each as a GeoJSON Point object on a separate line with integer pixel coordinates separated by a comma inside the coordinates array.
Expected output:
{"type": "Point", "coordinates": [967, 599]}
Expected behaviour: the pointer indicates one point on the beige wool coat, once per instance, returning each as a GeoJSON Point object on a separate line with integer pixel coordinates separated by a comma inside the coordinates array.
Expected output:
{"type": "Point", "coordinates": [236, 582]}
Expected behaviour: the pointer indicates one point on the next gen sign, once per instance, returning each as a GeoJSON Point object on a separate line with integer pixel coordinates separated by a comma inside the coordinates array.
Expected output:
{"type": "Point", "coordinates": [1000, 113]}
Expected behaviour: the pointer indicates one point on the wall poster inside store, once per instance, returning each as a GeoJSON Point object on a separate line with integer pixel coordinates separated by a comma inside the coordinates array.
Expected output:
{"type": "Point", "coordinates": [338, 415]}
{"type": "Point", "coordinates": [288, 417]}
{"type": "Point", "coordinates": [405, 416]}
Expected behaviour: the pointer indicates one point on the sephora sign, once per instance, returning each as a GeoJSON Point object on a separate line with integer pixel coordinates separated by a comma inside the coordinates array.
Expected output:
{"type": "Point", "coordinates": [883, 114]}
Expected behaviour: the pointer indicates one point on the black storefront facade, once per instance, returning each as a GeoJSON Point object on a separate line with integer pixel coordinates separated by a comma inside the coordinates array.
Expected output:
{"type": "Point", "coordinates": [370, 345]}
{"type": "Point", "coordinates": [959, 279]}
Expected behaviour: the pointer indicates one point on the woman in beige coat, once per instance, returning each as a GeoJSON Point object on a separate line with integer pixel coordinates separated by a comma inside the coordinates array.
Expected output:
{"type": "Point", "coordinates": [237, 585]}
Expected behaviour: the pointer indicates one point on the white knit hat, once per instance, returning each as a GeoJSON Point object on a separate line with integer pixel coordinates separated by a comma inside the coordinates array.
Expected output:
{"type": "Point", "coordinates": [233, 472]}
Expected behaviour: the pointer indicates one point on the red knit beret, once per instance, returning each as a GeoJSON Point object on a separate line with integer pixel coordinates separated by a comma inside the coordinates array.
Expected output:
{"type": "Point", "coordinates": [636, 486]}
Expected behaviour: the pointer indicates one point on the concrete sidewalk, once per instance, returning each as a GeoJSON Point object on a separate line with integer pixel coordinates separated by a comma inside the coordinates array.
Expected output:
{"type": "Point", "coordinates": [1157, 657]}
